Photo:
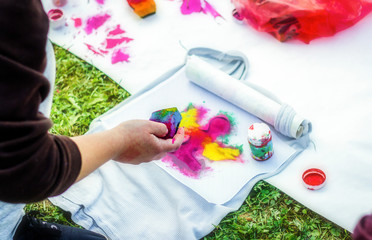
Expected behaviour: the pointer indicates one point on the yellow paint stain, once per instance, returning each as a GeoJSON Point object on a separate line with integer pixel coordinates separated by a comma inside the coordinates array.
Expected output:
{"type": "Point", "coordinates": [214, 152]}
{"type": "Point", "coordinates": [189, 119]}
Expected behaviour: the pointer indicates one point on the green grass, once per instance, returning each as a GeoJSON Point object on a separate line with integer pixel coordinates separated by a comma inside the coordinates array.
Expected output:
{"type": "Point", "coordinates": [82, 93]}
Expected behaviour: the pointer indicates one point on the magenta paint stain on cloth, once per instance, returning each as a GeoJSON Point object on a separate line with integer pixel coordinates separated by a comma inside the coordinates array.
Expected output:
{"type": "Point", "coordinates": [95, 22]}
{"type": "Point", "coordinates": [119, 56]}
{"type": "Point", "coordinates": [78, 22]}
{"type": "Point", "coordinates": [113, 42]}
{"type": "Point", "coordinates": [116, 31]}
{"type": "Point", "coordinates": [93, 49]}
{"type": "Point", "coordinates": [113, 37]}
{"type": "Point", "coordinates": [210, 9]}
{"type": "Point", "coordinates": [190, 158]}
{"type": "Point", "coordinates": [101, 2]}
{"type": "Point", "coordinates": [192, 6]}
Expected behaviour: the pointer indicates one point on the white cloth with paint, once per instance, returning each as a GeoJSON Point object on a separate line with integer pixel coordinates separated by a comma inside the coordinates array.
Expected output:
{"type": "Point", "coordinates": [328, 81]}
{"type": "Point", "coordinates": [156, 201]}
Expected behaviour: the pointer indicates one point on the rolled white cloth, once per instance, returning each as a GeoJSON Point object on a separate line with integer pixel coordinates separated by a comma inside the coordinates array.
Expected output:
{"type": "Point", "coordinates": [248, 97]}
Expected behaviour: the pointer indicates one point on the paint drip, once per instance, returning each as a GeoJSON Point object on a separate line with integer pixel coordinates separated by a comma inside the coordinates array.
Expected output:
{"type": "Point", "coordinates": [260, 141]}
{"type": "Point", "coordinates": [202, 142]}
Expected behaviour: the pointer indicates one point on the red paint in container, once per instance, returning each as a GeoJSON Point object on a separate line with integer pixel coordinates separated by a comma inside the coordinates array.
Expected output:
{"type": "Point", "coordinates": [314, 178]}
{"type": "Point", "coordinates": [56, 18]}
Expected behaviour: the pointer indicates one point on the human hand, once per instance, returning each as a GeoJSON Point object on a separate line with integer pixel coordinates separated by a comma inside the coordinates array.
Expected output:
{"type": "Point", "coordinates": [141, 141]}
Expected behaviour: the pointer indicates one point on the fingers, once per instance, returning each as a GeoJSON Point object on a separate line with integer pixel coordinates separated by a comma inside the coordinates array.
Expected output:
{"type": "Point", "coordinates": [158, 129]}
{"type": "Point", "coordinates": [171, 145]}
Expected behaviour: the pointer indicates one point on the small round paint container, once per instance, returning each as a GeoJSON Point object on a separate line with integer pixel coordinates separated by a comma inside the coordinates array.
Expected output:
{"type": "Point", "coordinates": [260, 141]}
{"type": "Point", "coordinates": [237, 15]}
{"type": "Point", "coordinates": [314, 178]}
{"type": "Point", "coordinates": [56, 18]}
{"type": "Point", "coordinates": [59, 3]}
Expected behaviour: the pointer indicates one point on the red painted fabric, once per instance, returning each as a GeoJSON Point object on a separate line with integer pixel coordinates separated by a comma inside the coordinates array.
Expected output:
{"type": "Point", "coordinates": [302, 19]}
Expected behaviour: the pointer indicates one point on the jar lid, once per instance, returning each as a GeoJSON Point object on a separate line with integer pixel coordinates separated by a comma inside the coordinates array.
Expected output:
{"type": "Point", "coordinates": [259, 134]}
{"type": "Point", "coordinates": [314, 178]}
{"type": "Point", "coordinates": [56, 18]}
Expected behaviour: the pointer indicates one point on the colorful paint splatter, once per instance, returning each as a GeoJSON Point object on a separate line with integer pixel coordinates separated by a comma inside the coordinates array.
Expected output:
{"type": "Point", "coordinates": [202, 142]}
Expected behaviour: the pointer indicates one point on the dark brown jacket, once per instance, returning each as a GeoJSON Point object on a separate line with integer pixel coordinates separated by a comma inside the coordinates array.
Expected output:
{"type": "Point", "coordinates": [33, 163]}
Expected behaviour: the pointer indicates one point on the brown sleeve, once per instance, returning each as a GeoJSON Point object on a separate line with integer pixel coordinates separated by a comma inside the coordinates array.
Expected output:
{"type": "Point", "coordinates": [33, 163]}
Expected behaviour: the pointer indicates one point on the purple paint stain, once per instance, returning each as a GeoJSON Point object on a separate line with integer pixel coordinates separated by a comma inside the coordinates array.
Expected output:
{"type": "Point", "coordinates": [116, 31]}
{"type": "Point", "coordinates": [95, 22]}
{"type": "Point", "coordinates": [119, 56]}
{"type": "Point", "coordinates": [113, 42]}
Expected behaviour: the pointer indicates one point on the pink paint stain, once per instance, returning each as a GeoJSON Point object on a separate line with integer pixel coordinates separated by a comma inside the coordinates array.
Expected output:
{"type": "Point", "coordinates": [188, 158]}
{"type": "Point", "coordinates": [119, 56]}
{"type": "Point", "coordinates": [95, 22]}
{"type": "Point", "coordinates": [116, 31]}
{"type": "Point", "coordinates": [113, 42]}
{"type": "Point", "coordinates": [209, 9]}
{"type": "Point", "coordinates": [77, 22]}
{"type": "Point", "coordinates": [104, 51]}
{"type": "Point", "coordinates": [101, 2]}
{"type": "Point", "coordinates": [191, 6]}
{"type": "Point", "coordinates": [93, 49]}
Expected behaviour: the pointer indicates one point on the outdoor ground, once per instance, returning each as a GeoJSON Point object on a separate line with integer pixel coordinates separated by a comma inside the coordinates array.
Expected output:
{"type": "Point", "coordinates": [83, 93]}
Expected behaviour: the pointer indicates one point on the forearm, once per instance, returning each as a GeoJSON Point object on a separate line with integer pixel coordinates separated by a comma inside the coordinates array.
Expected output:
{"type": "Point", "coordinates": [132, 142]}
{"type": "Point", "coordinates": [96, 149]}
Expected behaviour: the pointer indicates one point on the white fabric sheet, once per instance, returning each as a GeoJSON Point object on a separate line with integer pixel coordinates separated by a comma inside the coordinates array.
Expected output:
{"type": "Point", "coordinates": [226, 178]}
{"type": "Point", "coordinates": [329, 80]}
{"type": "Point", "coordinates": [153, 50]}
{"type": "Point", "coordinates": [120, 195]}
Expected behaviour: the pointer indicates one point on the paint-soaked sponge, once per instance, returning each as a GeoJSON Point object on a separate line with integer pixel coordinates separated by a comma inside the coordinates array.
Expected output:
{"type": "Point", "coordinates": [171, 117]}
{"type": "Point", "coordinates": [143, 8]}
